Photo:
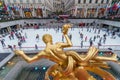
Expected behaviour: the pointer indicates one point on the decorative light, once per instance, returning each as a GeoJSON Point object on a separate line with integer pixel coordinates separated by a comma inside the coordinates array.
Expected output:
{"type": "Point", "coordinates": [101, 53]}
{"type": "Point", "coordinates": [3, 68]}
{"type": "Point", "coordinates": [9, 62]}
{"type": "Point", "coordinates": [44, 68]}
{"type": "Point", "coordinates": [36, 68]}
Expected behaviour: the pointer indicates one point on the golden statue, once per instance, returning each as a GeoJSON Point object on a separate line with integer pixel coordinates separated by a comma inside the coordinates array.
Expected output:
{"type": "Point", "coordinates": [69, 64]}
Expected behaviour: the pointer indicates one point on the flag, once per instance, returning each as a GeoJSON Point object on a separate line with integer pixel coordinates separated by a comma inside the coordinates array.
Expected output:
{"type": "Point", "coordinates": [20, 7]}
{"type": "Point", "coordinates": [119, 4]}
{"type": "Point", "coordinates": [8, 7]}
{"type": "Point", "coordinates": [115, 6]}
{"type": "Point", "coordinates": [17, 8]}
{"type": "Point", "coordinates": [13, 8]}
{"type": "Point", "coordinates": [3, 5]}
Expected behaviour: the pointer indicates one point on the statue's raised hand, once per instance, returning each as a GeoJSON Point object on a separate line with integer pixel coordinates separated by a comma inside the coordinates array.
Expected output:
{"type": "Point", "coordinates": [65, 28]}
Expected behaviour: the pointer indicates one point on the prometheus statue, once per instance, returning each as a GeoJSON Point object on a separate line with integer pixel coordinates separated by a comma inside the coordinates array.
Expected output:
{"type": "Point", "coordinates": [69, 64]}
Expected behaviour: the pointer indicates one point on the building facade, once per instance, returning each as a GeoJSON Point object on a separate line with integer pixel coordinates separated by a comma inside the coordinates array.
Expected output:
{"type": "Point", "coordinates": [43, 8]}
{"type": "Point", "coordinates": [90, 8]}
{"type": "Point", "coordinates": [28, 8]}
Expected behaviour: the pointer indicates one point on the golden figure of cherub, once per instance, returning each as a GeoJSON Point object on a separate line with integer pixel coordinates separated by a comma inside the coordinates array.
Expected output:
{"type": "Point", "coordinates": [69, 64]}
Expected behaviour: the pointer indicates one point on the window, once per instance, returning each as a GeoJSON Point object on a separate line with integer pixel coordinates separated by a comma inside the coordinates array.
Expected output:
{"type": "Point", "coordinates": [8, 1]}
{"type": "Point", "coordinates": [21, 1]}
{"type": "Point", "coordinates": [27, 1]}
{"type": "Point", "coordinates": [90, 1]}
{"type": "Point", "coordinates": [39, 1]}
{"type": "Point", "coordinates": [79, 1]}
{"type": "Point", "coordinates": [102, 1]}
{"type": "Point", "coordinates": [96, 1]}
{"type": "Point", "coordinates": [84, 1]}
{"type": "Point", "coordinates": [14, 1]}
{"type": "Point", "coordinates": [33, 1]}
{"type": "Point", "coordinates": [107, 1]}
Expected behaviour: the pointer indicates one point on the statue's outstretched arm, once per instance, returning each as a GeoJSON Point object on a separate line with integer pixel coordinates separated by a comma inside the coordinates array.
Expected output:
{"type": "Point", "coordinates": [68, 43]}
{"type": "Point", "coordinates": [65, 33]}
{"type": "Point", "coordinates": [29, 59]}
{"type": "Point", "coordinates": [103, 58]}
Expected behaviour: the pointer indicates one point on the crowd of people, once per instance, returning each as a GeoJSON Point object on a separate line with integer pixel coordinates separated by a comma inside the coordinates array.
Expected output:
{"type": "Point", "coordinates": [97, 37]}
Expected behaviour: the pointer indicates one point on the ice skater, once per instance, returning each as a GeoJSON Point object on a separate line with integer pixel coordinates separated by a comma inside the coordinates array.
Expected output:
{"type": "Point", "coordinates": [25, 35]}
{"type": "Point", "coordinates": [99, 31]}
{"type": "Point", "coordinates": [99, 44]}
{"type": "Point", "coordinates": [37, 37]}
{"type": "Point", "coordinates": [104, 40]}
{"type": "Point", "coordinates": [12, 34]}
{"type": "Point", "coordinates": [9, 37]}
{"type": "Point", "coordinates": [36, 47]}
{"type": "Point", "coordinates": [91, 43]}
{"type": "Point", "coordinates": [3, 42]}
{"type": "Point", "coordinates": [20, 44]}
{"type": "Point", "coordinates": [94, 38]}
{"type": "Point", "coordinates": [85, 38]}
{"type": "Point", "coordinates": [100, 40]}
{"type": "Point", "coordinates": [81, 43]}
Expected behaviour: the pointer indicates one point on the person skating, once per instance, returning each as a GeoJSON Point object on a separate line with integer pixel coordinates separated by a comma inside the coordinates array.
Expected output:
{"type": "Point", "coordinates": [81, 36]}
{"type": "Point", "coordinates": [12, 34]}
{"type": "Point", "coordinates": [25, 35]}
{"type": "Point", "coordinates": [104, 40]}
{"type": "Point", "coordinates": [99, 44]}
{"type": "Point", "coordinates": [3, 42]}
{"type": "Point", "coordinates": [85, 38]}
{"type": "Point", "coordinates": [14, 46]}
{"type": "Point", "coordinates": [81, 43]}
{"type": "Point", "coordinates": [99, 31]}
{"type": "Point", "coordinates": [94, 38]}
{"type": "Point", "coordinates": [36, 47]}
{"type": "Point", "coordinates": [20, 44]}
{"type": "Point", "coordinates": [91, 43]}
{"type": "Point", "coordinates": [9, 37]}
{"type": "Point", "coordinates": [37, 37]}
{"type": "Point", "coordinates": [23, 39]}
{"type": "Point", "coordinates": [100, 40]}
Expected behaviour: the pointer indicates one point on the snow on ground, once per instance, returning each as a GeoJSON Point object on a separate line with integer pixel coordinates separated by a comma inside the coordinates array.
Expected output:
{"type": "Point", "coordinates": [57, 37]}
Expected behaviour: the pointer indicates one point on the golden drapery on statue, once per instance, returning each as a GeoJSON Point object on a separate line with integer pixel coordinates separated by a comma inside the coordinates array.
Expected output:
{"type": "Point", "coordinates": [69, 64]}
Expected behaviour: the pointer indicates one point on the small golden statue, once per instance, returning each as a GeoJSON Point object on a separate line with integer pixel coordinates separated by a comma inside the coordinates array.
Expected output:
{"type": "Point", "coordinates": [69, 64]}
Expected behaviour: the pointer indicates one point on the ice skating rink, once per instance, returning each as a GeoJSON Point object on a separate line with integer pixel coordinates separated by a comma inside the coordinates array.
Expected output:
{"type": "Point", "coordinates": [57, 37]}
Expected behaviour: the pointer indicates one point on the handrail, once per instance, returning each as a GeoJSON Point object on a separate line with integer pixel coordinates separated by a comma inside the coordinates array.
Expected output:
{"type": "Point", "coordinates": [113, 47]}
{"type": "Point", "coordinates": [115, 19]}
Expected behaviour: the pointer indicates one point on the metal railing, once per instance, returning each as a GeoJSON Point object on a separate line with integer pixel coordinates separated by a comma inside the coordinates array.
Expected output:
{"type": "Point", "coordinates": [105, 47]}
{"type": "Point", "coordinates": [115, 19]}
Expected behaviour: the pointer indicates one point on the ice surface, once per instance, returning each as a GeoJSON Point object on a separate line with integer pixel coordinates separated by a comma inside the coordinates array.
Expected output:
{"type": "Point", "coordinates": [57, 37]}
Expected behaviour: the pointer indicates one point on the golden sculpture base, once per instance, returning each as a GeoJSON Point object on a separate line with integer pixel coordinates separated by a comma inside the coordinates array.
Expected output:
{"type": "Point", "coordinates": [80, 73]}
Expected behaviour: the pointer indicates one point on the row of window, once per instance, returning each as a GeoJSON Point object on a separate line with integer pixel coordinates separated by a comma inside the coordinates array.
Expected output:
{"type": "Point", "coordinates": [58, 5]}
{"type": "Point", "coordinates": [96, 1]}
{"type": "Point", "coordinates": [21, 1]}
